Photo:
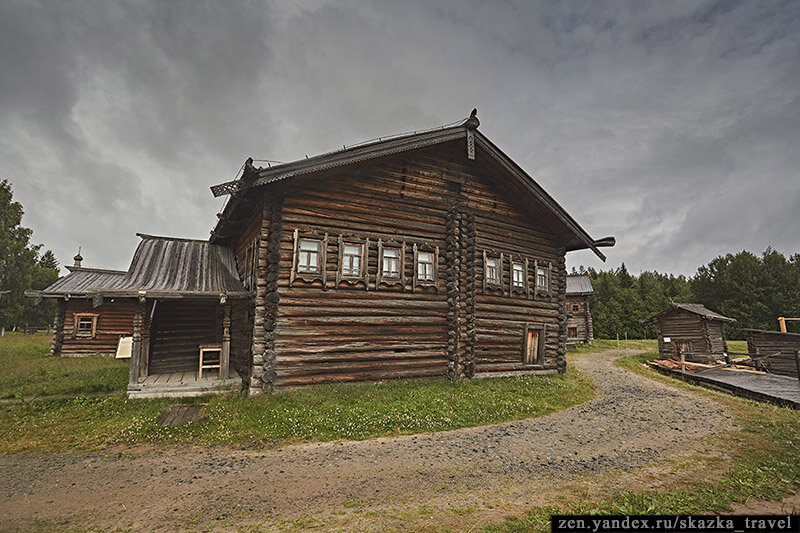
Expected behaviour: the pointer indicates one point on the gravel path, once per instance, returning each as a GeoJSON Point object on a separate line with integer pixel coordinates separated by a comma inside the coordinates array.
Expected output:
{"type": "Point", "coordinates": [633, 424]}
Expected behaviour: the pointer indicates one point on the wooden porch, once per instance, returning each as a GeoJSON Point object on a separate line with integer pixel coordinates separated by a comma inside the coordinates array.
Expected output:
{"type": "Point", "coordinates": [184, 384]}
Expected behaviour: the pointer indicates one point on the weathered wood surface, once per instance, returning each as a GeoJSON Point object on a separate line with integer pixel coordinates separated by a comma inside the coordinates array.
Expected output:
{"type": "Point", "coordinates": [771, 342]}
{"type": "Point", "coordinates": [177, 330]}
{"type": "Point", "coordinates": [114, 319]}
{"type": "Point", "coordinates": [183, 384]}
{"type": "Point", "coordinates": [781, 390]}
{"type": "Point", "coordinates": [179, 415]}
{"type": "Point", "coordinates": [309, 329]}
{"type": "Point", "coordinates": [580, 319]}
{"type": "Point", "coordinates": [704, 335]}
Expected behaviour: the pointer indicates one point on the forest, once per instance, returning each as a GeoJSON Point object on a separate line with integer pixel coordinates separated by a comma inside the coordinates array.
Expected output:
{"type": "Point", "coordinates": [753, 289]}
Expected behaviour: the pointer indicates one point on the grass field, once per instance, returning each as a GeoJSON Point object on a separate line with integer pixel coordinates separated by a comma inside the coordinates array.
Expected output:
{"type": "Point", "coordinates": [28, 370]}
{"type": "Point", "coordinates": [764, 465]}
{"type": "Point", "coordinates": [326, 412]}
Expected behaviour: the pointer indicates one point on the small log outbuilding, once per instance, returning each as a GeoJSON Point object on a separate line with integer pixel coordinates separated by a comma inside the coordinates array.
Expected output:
{"type": "Point", "coordinates": [580, 329]}
{"type": "Point", "coordinates": [80, 327]}
{"type": "Point", "coordinates": [780, 351]}
{"type": "Point", "coordinates": [690, 329]}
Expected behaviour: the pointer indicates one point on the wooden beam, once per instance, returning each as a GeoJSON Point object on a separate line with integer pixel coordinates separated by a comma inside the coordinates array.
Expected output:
{"type": "Point", "coordinates": [225, 356]}
{"type": "Point", "coordinates": [136, 348]}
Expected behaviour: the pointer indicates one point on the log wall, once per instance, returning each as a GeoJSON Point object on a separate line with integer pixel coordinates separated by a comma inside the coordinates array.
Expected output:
{"type": "Point", "coordinates": [114, 319]}
{"type": "Point", "coordinates": [177, 330]}
{"type": "Point", "coordinates": [581, 319]}
{"type": "Point", "coordinates": [769, 342]}
{"type": "Point", "coordinates": [354, 330]}
{"type": "Point", "coordinates": [706, 336]}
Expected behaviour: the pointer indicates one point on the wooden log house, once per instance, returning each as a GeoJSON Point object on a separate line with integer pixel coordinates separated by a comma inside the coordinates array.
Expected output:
{"type": "Point", "coordinates": [81, 328]}
{"type": "Point", "coordinates": [690, 329]}
{"type": "Point", "coordinates": [580, 329]}
{"type": "Point", "coordinates": [429, 254]}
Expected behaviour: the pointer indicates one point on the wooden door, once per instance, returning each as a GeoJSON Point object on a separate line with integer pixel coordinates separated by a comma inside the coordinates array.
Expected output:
{"type": "Point", "coordinates": [532, 347]}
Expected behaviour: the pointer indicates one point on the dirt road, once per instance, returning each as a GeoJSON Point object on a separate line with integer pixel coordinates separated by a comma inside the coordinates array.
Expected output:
{"type": "Point", "coordinates": [457, 478]}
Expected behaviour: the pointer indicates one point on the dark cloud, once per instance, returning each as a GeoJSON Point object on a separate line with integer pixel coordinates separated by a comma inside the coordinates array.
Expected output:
{"type": "Point", "coordinates": [672, 125]}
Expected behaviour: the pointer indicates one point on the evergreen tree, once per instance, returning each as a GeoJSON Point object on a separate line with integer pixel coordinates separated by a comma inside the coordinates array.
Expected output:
{"type": "Point", "coordinates": [21, 268]}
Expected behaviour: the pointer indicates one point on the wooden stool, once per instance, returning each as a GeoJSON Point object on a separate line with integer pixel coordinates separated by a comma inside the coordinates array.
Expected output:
{"type": "Point", "coordinates": [209, 361]}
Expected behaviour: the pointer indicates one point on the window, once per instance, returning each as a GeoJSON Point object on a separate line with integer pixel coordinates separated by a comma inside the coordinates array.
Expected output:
{"type": "Point", "coordinates": [426, 270]}
{"type": "Point", "coordinates": [308, 261]}
{"type": "Point", "coordinates": [425, 266]}
{"type": "Point", "coordinates": [576, 308]}
{"type": "Point", "coordinates": [541, 279]}
{"type": "Point", "coordinates": [492, 271]}
{"type": "Point", "coordinates": [390, 263]}
{"type": "Point", "coordinates": [572, 332]}
{"type": "Point", "coordinates": [351, 260]}
{"type": "Point", "coordinates": [518, 275]}
{"type": "Point", "coordinates": [85, 325]}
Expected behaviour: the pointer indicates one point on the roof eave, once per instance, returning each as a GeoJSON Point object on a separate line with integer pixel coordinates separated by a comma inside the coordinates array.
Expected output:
{"type": "Point", "coordinates": [542, 195]}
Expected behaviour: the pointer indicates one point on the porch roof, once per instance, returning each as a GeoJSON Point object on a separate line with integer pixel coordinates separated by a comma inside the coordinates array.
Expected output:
{"type": "Point", "coordinates": [169, 267]}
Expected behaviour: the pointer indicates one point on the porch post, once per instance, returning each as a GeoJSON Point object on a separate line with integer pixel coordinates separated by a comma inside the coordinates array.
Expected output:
{"type": "Point", "coordinates": [58, 338]}
{"type": "Point", "coordinates": [146, 319]}
{"type": "Point", "coordinates": [136, 345]}
{"type": "Point", "coordinates": [225, 356]}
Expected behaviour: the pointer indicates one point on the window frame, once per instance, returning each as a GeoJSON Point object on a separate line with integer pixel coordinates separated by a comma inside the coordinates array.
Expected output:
{"type": "Point", "coordinates": [381, 277]}
{"type": "Point", "coordinates": [572, 328]}
{"type": "Point", "coordinates": [548, 278]}
{"type": "Point", "coordinates": [492, 285]}
{"type": "Point", "coordinates": [363, 274]}
{"type": "Point", "coordinates": [523, 289]}
{"type": "Point", "coordinates": [434, 250]}
{"type": "Point", "coordinates": [309, 276]}
{"type": "Point", "coordinates": [77, 317]}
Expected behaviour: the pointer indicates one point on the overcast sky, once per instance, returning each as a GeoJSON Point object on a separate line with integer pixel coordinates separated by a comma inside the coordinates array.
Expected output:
{"type": "Point", "coordinates": [672, 125]}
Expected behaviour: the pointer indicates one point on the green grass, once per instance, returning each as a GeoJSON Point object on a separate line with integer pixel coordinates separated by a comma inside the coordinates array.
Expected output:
{"type": "Point", "coordinates": [640, 344]}
{"type": "Point", "coordinates": [765, 456]}
{"type": "Point", "coordinates": [325, 412]}
{"type": "Point", "coordinates": [28, 370]}
{"type": "Point", "coordinates": [613, 344]}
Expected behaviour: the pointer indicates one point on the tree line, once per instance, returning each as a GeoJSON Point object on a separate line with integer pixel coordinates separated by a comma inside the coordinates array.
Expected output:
{"type": "Point", "coordinates": [23, 266]}
{"type": "Point", "coordinates": [753, 289]}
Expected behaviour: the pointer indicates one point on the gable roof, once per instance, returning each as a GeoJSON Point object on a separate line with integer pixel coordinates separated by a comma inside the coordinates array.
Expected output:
{"type": "Point", "coordinates": [579, 284]}
{"type": "Point", "coordinates": [256, 177]}
{"type": "Point", "coordinates": [169, 267]}
{"type": "Point", "coordinates": [696, 309]}
{"type": "Point", "coordinates": [79, 281]}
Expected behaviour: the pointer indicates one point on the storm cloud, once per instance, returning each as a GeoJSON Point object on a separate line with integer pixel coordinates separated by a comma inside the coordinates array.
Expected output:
{"type": "Point", "coordinates": [674, 126]}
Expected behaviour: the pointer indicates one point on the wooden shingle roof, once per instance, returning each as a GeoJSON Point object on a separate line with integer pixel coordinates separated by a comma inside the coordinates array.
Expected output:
{"type": "Point", "coordinates": [579, 284]}
{"type": "Point", "coordinates": [79, 281]}
{"type": "Point", "coordinates": [168, 267]}
{"type": "Point", "coordinates": [538, 199]}
{"type": "Point", "coordinates": [696, 309]}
